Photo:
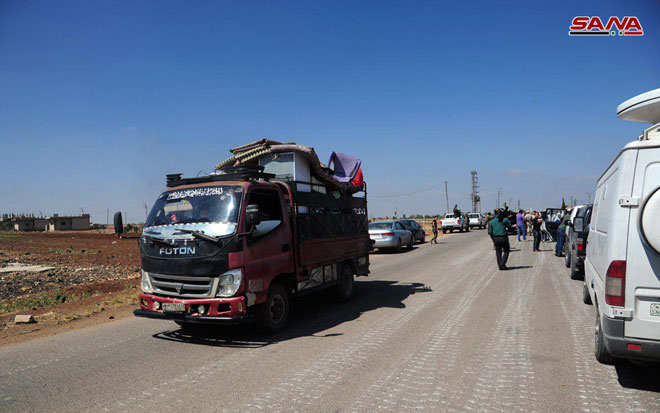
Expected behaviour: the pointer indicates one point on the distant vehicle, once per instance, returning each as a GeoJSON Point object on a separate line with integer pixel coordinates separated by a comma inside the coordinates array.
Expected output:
{"type": "Point", "coordinates": [622, 266]}
{"type": "Point", "coordinates": [450, 223]}
{"type": "Point", "coordinates": [390, 234]}
{"type": "Point", "coordinates": [576, 240]}
{"type": "Point", "coordinates": [476, 220]}
{"type": "Point", "coordinates": [414, 227]}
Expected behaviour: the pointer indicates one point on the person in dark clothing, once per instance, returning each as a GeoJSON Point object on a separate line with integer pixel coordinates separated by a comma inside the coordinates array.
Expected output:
{"type": "Point", "coordinates": [498, 229]}
{"type": "Point", "coordinates": [434, 228]}
{"type": "Point", "coordinates": [537, 221]}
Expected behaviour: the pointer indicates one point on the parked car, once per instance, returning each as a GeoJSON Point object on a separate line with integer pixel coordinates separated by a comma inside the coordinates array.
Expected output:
{"type": "Point", "coordinates": [390, 234]}
{"type": "Point", "coordinates": [476, 220]}
{"type": "Point", "coordinates": [450, 223]}
{"type": "Point", "coordinates": [413, 226]}
{"type": "Point", "coordinates": [576, 240]}
{"type": "Point", "coordinates": [622, 266]}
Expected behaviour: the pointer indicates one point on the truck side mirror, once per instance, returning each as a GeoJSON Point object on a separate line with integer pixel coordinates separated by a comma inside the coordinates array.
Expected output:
{"type": "Point", "coordinates": [252, 215]}
{"type": "Point", "coordinates": [119, 224]}
{"type": "Point", "coordinates": [578, 224]}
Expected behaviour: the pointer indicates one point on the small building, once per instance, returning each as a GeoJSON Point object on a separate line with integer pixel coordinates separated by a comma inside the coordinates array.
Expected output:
{"type": "Point", "coordinates": [30, 224]}
{"type": "Point", "coordinates": [77, 222]}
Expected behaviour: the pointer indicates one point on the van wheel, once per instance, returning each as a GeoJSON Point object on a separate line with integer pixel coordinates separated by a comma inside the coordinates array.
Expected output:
{"type": "Point", "coordinates": [567, 259]}
{"type": "Point", "coordinates": [600, 351]}
{"type": "Point", "coordinates": [586, 298]}
{"type": "Point", "coordinates": [576, 274]}
{"type": "Point", "coordinates": [346, 287]}
{"type": "Point", "coordinates": [275, 311]}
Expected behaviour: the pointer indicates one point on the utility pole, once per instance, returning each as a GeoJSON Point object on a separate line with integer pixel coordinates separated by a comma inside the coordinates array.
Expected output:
{"type": "Point", "coordinates": [519, 205]}
{"type": "Point", "coordinates": [499, 196]}
{"type": "Point", "coordinates": [107, 216]}
{"type": "Point", "coordinates": [476, 199]}
{"type": "Point", "coordinates": [589, 195]}
{"type": "Point", "coordinates": [146, 214]}
{"type": "Point", "coordinates": [447, 196]}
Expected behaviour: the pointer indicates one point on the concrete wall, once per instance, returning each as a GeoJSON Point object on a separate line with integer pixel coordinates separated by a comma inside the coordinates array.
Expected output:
{"type": "Point", "coordinates": [31, 224]}
{"type": "Point", "coordinates": [69, 223]}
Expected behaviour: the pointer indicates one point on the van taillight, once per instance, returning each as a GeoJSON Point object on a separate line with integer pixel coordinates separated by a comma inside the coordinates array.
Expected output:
{"type": "Point", "coordinates": [615, 283]}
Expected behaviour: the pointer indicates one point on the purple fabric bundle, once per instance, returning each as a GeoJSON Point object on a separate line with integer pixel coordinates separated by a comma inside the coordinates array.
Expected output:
{"type": "Point", "coordinates": [345, 166]}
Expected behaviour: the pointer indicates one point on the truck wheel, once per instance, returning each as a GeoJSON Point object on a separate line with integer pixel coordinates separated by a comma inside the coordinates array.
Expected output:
{"type": "Point", "coordinates": [576, 274]}
{"type": "Point", "coordinates": [346, 287]}
{"type": "Point", "coordinates": [600, 351]}
{"type": "Point", "coordinates": [444, 231]}
{"type": "Point", "coordinates": [567, 259]}
{"type": "Point", "coordinates": [275, 311]}
{"type": "Point", "coordinates": [398, 246]}
{"type": "Point", "coordinates": [586, 298]}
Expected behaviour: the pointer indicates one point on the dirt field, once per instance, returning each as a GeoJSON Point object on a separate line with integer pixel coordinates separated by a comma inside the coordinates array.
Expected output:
{"type": "Point", "coordinates": [85, 273]}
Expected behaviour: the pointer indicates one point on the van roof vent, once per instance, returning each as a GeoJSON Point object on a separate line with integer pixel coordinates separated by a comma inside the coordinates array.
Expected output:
{"type": "Point", "coordinates": [643, 108]}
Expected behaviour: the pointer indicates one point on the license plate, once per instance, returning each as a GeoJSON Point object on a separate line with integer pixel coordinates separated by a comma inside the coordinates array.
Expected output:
{"type": "Point", "coordinates": [655, 309]}
{"type": "Point", "coordinates": [174, 307]}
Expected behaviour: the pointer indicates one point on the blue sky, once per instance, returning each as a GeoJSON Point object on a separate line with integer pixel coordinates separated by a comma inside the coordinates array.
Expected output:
{"type": "Point", "coordinates": [100, 99]}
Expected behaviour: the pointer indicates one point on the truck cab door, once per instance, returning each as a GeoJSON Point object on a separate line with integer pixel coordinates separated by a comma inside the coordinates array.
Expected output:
{"type": "Point", "coordinates": [267, 250]}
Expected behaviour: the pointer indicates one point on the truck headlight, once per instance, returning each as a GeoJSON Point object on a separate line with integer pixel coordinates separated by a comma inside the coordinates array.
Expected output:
{"type": "Point", "coordinates": [146, 283]}
{"type": "Point", "coordinates": [229, 283]}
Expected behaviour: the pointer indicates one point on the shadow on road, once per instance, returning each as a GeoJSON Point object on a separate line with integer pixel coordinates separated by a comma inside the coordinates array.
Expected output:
{"type": "Point", "coordinates": [520, 267]}
{"type": "Point", "coordinates": [388, 251]}
{"type": "Point", "coordinates": [309, 316]}
{"type": "Point", "coordinates": [632, 376]}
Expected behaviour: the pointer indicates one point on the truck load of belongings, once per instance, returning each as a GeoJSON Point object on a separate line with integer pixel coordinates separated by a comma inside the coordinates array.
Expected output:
{"type": "Point", "coordinates": [343, 172]}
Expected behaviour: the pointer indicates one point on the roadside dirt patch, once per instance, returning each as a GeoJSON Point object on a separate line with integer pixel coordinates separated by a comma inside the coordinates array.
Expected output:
{"type": "Point", "coordinates": [82, 275]}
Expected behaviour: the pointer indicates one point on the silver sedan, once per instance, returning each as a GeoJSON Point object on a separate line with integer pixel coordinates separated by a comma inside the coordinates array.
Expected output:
{"type": "Point", "coordinates": [390, 234]}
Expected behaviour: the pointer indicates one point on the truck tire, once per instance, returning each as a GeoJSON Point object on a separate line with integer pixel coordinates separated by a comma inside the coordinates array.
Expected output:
{"type": "Point", "coordinates": [345, 290]}
{"type": "Point", "coordinates": [398, 246]}
{"type": "Point", "coordinates": [576, 274]}
{"type": "Point", "coordinates": [444, 231]}
{"type": "Point", "coordinates": [274, 312]}
{"type": "Point", "coordinates": [586, 298]}
{"type": "Point", "coordinates": [567, 259]}
{"type": "Point", "coordinates": [600, 351]}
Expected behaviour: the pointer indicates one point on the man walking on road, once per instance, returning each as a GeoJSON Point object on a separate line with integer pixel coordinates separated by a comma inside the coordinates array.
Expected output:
{"type": "Point", "coordinates": [561, 234]}
{"type": "Point", "coordinates": [498, 230]}
{"type": "Point", "coordinates": [434, 228]}
{"type": "Point", "coordinates": [520, 223]}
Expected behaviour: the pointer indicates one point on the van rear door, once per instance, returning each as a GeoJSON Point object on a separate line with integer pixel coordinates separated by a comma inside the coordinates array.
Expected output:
{"type": "Point", "coordinates": [643, 263]}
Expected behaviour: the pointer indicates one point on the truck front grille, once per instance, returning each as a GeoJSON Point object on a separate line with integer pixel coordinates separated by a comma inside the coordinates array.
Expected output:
{"type": "Point", "coordinates": [182, 285]}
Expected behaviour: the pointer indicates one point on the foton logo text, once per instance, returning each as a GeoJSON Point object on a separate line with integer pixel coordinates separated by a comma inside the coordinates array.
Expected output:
{"type": "Point", "coordinates": [593, 26]}
{"type": "Point", "coordinates": [177, 251]}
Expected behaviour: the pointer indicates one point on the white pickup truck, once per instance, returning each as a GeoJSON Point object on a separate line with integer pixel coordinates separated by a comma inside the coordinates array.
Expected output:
{"type": "Point", "coordinates": [476, 220]}
{"type": "Point", "coordinates": [450, 223]}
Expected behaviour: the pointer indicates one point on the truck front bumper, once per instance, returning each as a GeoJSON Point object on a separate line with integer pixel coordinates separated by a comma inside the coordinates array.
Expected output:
{"type": "Point", "coordinates": [619, 346]}
{"type": "Point", "coordinates": [231, 310]}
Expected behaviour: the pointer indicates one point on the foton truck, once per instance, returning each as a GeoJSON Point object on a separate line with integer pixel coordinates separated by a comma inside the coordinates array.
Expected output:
{"type": "Point", "coordinates": [237, 245]}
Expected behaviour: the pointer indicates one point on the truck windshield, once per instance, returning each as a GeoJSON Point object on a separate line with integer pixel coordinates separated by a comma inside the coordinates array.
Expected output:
{"type": "Point", "coordinates": [208, 204]}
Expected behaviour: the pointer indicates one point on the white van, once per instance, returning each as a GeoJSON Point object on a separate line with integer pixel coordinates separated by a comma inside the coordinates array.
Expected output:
{"type": "Point", "coordinates": [622, 267]}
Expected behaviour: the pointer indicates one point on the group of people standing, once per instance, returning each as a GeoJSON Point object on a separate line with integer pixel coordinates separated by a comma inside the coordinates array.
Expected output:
{"type": "Point", "coordinates": [527, 223]}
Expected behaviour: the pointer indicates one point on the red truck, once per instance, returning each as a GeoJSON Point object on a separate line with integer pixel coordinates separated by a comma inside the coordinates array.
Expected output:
{"type": "Point", "coordinates": [238, 245]}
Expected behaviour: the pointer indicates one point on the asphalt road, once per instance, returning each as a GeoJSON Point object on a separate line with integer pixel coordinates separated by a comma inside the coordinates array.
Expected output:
{"type": "Point", "coordinates": [436, 328]}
